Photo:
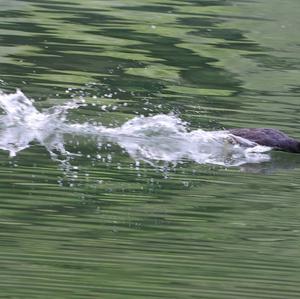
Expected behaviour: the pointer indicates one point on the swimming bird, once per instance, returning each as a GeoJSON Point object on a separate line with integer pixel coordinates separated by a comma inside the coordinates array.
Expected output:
{"type": "Point", "coordinates": [269, 137]}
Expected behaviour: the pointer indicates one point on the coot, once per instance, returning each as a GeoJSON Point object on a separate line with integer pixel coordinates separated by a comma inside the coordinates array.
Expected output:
{"type": "Point", "coordinates": [269, 137]}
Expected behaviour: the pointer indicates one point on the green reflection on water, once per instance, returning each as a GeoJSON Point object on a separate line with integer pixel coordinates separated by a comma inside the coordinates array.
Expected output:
{"type": "Point", "coordinates": [115, 229]}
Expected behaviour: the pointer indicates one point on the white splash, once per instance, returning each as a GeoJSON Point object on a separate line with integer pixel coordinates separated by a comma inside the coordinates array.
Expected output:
{"type": "Point", "coordinates": [158, 138]}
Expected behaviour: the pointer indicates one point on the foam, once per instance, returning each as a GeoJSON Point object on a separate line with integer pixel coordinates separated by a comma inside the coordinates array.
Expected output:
{"type": "Point", "coordinates": [158, 138]}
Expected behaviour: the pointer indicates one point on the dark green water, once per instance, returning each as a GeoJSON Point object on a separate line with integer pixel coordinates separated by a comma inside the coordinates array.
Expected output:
{"type": "Point", "coordinates": [114, 229]}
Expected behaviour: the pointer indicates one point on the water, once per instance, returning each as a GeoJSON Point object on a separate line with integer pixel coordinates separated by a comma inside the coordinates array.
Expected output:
{"type": "Point", "coordinates": [157, 138]}
{"type": "Point", "coordinates": [118, 178]}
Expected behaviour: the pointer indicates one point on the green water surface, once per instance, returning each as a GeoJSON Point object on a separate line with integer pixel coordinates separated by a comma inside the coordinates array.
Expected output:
{"type": "Point", "coordinates": [113, 229]}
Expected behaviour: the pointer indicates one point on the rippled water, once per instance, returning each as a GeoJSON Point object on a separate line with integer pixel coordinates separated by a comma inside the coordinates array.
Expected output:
{"type": "Point", "coordinates": [118, 178]}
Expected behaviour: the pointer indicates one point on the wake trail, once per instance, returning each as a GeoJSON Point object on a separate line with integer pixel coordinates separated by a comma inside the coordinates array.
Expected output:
{"type": "Point", "coordinates": [157, 138]}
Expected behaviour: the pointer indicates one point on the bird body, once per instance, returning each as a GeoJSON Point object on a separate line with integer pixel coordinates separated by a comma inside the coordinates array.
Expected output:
{"type": "Point", "coordinates": [269, 137]}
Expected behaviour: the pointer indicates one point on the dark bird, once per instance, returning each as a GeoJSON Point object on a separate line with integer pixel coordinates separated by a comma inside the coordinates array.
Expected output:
{"type": "Point", "coordinates": [269, 137]}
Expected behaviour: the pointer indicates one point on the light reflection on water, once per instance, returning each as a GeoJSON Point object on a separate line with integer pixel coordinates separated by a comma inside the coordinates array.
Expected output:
{"type": "Point", "coordinates": [110, 227]}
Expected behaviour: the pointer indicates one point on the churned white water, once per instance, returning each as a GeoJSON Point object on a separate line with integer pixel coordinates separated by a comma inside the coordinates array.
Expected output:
{"type": "Point", "coordinates": [157, 138]}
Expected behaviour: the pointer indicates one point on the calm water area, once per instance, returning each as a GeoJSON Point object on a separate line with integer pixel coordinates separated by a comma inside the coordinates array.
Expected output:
{"type": "Point", "coordinates": [137, 213]}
